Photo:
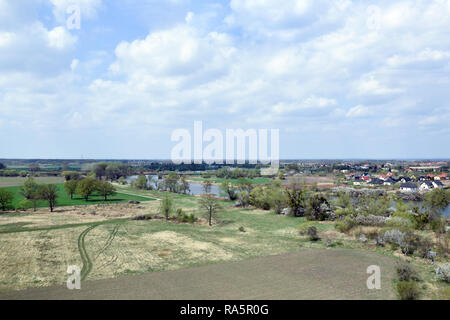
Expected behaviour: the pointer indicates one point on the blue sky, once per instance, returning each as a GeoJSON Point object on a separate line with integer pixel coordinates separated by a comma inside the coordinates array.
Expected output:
{"type": "Point", "coordinates": [340, 79]}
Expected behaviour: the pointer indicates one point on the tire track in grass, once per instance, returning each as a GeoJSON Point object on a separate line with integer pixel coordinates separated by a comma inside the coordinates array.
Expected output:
{"type": "Point", "coordinates": [87, 262]}
{"type": "Point", "coordinates": [109, 241]}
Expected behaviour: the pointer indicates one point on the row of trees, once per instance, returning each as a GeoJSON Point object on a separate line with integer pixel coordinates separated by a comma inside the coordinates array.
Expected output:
{"type": "Point", "coordinates": [228, 173]}
{"type": "Point", "coordinates": [112, 170]}
{"type": "Point", "coordinates": [104, 170]}
{"type": "Point", "coordinates": [33, 193]}
{"type": "Point", "coordinates": [87, 186]}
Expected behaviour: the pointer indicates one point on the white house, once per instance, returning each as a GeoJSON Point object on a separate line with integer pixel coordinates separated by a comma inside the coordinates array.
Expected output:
{"type": "Point", "coordinates": [426, 185]}
{"type": "Point", "coordinates": [438, 184]}
{"type": "Point", "coordinates": [409, 187]}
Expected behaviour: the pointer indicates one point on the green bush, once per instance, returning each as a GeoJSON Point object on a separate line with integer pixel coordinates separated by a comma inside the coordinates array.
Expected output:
{"type": "Point", "coordinates": [312, 233]}
{"type": "Point", "coordinates": [185, 218]}
{"type": "Point", "coordinates": [318, 208]}
{"type": "Point", "coordinates": [410, 243]}
{"type": "Point", "coordinates": [408, 290]}
{"type": "Point", "coordinates": [303, 228]}
{"type": "Point", "coordinates": [406, 271]}
{"type": "Point", "coordinates": [438, 225]}
{"type": "Point", "coordinates": [24, 205]}
{"type": "Point", "coordinates": [345, 225]}
{"type": "Point", "coordinates": [421, 219]}
{"type": "Point", "coordinates": [399, 223]}
{"type": "Point", "coordinates": [241, 229]}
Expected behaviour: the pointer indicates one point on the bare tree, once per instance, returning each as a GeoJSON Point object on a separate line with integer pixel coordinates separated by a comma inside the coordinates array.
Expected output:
{"type": "Point", "coordinates": [207, 186]}
{"type": "Point", "coordinates": [166, 206]}
{"type": "Point", "coordinates": [210, 204]}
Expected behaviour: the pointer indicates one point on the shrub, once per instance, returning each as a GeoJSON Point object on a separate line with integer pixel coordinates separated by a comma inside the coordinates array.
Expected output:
{"type": "Point", "coordinates": [329, 243]}
{"type": "Point", "coordinates": [241, 229]}
{"type": "Point", "coordinates": [394, 236]}
{"type": "Point", "coordinates": [370, 220]}
{"type": "Point", "coordinates": [259, 198]}
{"type": "Point", "coordinates": [345, 225]}
{"type": "Point", "coordinates": [408, 290]}
{"type": "Point", "coordinates": [421, 219]}
{"type": "Point", "coordinates": [443, 272]}
{"type": "Point", "coordinates": [166, 206]}
{"type": "Point", "coordinates": [142, 217]}
{"type": "Point", "coordinates": [303, 228]}
{"type": "Point", "coordinates": [24, 205]}
{"type": "Point", "coordinates": [424, 246]}
{"type": "Point", "coordinates": [319, 208]}
{"type": "Point", "coordinates": [410, 243]}
{"type": "Point", "coordinates": [399, 223]}
{"type": "Point", "coordinates": [312, 233]}
{"type": "Point", "coordinates": [185, 218]}
{"type": "Point", "coordinates": [406, 271]}
{"type": "Point", "coordinates": [438, 225]}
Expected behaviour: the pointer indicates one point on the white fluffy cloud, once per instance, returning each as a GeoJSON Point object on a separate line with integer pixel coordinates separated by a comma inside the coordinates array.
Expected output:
{"type": "Point", "coordinates": [60, 38]}
{"type": "Point", "coordinates": [306, 66]}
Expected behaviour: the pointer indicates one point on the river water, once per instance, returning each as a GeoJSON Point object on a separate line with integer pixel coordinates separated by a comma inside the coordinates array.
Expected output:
{"type": "Point", "coordinates": [195, 187]}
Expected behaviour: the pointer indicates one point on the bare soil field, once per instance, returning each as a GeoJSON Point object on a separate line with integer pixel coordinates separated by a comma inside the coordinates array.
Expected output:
{"type": "Point", "coordinates": [307, 274]}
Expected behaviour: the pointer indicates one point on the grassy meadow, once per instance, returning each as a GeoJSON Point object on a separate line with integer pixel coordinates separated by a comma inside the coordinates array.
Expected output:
{"type": "Point", "coordinates": [64, 198]}
{"type": "Point", "coordinates": [36, 248]}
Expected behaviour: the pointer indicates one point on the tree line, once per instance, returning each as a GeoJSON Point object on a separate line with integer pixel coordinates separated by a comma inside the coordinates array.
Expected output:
{"type": "Point", "coordinates": [34, 192]}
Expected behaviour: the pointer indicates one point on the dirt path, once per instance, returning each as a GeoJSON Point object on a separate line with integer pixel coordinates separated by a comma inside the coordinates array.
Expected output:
{"type": "Point", "coordinates": [308, 274]}
{"type": "Point", "coordinates": [134, 194]}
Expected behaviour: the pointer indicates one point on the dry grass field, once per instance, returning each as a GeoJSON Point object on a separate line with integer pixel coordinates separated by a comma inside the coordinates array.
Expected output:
{"type": "Point", "coordinates": [308, 274]}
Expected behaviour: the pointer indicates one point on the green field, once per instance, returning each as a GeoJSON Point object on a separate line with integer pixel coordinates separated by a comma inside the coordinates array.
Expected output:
{"type": "Point", "coordinates": [64, 198]}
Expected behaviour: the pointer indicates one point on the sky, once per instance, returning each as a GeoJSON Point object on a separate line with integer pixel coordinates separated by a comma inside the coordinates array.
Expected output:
{"type": "Point", "coordinates": [339, 79]}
